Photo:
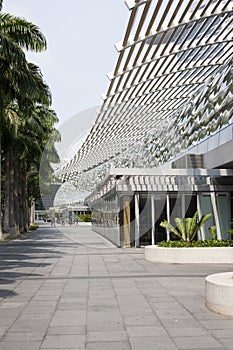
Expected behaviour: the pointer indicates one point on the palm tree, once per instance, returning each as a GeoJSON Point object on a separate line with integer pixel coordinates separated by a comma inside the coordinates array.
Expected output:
{"type": "Point", "coordinates": [26, 144]}
{"type": "Point", "coordinates": [19, 80]}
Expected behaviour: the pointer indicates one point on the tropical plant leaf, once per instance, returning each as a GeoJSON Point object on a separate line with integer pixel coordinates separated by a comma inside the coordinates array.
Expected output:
{"type": "Point", "coordinates": [168, 226]}
{"type": "Point", "coordinates": [193, 228]}
{"type": "Point", "coordinates": [10, 52]}
{"type": "Point", "coordinates": [188, 224]}
{"type": "Point", "coordinates": [204, 218]}
{"type": "Point", "coordinates": [26, 34]}
{"type": "Point", "coordinates": [180, 227]}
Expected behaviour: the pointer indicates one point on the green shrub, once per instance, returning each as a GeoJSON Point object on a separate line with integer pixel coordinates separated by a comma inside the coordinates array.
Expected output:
{"type": "Point", "coordinates": [193, 244]}
{"type": "Point", "coordinates": [187, 228]}
{"type": "Point", "coordinates": [84, 217]}
{"type": "Point", "coordinates": [33, 227]}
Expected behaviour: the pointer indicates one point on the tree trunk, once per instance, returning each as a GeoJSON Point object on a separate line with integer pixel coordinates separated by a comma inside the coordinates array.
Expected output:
{"type": "Point", "coordinates": [16, 195]}
{"type": "Point", "coordinates": [6, 216]}
{"type": "Point", "coordinates": [12, 229]}
{"type": "Point", "coordinates": [25, 199]}
{"type": "Point", "coordinates": [1, 233]}
{"type": "Point", "coordinates": [20, 197]}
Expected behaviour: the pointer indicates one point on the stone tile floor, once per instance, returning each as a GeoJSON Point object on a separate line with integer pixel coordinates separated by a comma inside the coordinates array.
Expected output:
{"type": "Point", "coordinates": [69, 288]}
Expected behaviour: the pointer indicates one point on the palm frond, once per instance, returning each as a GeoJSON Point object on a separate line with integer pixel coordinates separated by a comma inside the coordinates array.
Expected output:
{"type": "Point", "coordinates": [188, 225]}
{"type": "Point", "coordinates": [180, 226]}
{"type": "Point", "coordinates": [26, 34]}
{"type": "Point", "coordinates": [10, 52]}
{"type": "Point", "coordinates": [194, 227]}
{"type": "Point", "coordinates": [168, 226]}
{"type": "Point", "coordinates": [204, 218]}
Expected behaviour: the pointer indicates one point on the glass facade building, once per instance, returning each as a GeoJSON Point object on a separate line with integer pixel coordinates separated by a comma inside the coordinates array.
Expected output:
{"type": "Point", "coordinates": [165, 124]}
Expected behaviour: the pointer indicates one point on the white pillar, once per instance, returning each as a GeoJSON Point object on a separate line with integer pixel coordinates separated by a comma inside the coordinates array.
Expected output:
{"type": "Point", "coordinates": [183, 211]}
{"type": "Point", "coordinates": [153, 219]}
{"type": "Point", "coordinates": [137, 222]}
{"type": "Point", "coordinates": [216, 218]}
{"type": "Point", "coordinates": [168, 216]}
{"type": "Point", "coordinates": [201, 233]}
{"type": "Point", "coordinates": [32, 216]}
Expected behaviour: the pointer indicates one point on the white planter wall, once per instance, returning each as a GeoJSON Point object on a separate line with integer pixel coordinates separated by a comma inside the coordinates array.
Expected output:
{"type": "Point", "coordinates": [208, 255]}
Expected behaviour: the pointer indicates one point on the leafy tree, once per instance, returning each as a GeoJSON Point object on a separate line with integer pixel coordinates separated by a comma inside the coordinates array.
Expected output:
{"type": "Point", "coordinates": [23, 158]}
{"type": "Point", "coordinates": [26, 120]}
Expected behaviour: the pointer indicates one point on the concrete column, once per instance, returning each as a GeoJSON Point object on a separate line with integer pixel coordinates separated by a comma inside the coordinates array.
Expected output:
{"type": "Point", "coordinates": [32, 216]}
{"type": "Point", "coordinates": [216, 218]}
{"type": "Point", "coordinates": [137, 221]}
{"type": "Point", "coordinates": [183, 211]}
{"type": "Point", "coordinates": [118, 220]}
{"type": "Point", "coordinates": [168, 215]}
{"type": "Point", "coordinates": [153, 219]}
{"type": "Point", "coordinates": [202, 234]}
{"type": "Point", "coordinates": [126, 218]}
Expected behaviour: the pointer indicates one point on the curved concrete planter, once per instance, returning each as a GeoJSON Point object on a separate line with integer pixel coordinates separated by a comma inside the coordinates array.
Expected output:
{"type": "Point", "coordinates": [219, 293]}
{"type": "Point", "coordinates": [208, 255]}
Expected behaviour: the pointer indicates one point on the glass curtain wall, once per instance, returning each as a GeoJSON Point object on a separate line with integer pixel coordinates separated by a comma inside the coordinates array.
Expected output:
{"type": "Point", "coordinates": [145, 219]}
{"type": "Point", "coordinates": [160, 208]}
{"type": "Point", "coordinates": [223, 206]}
{"type": "Point", "coordinates": [206, 208]}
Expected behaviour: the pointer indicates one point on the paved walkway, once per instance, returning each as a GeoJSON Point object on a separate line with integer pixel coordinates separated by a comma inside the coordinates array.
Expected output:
{"type": "Point", "coordinates": [69, 288]}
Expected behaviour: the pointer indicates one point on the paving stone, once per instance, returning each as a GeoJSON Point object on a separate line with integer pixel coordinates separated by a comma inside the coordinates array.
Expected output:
{"type": "Point", "coordinates": [205, 315]}
{"type": "Point", "coordinates": [141, 320]}
{"type": "Point", "coordinates": [63, 341]}
{"type": "Point", "coordinates": [222, 333]}
{"type": "Point", "coordinates": [7, 321]}
{"type": "Point", "coordinates": [107, 336]}
{"type": "Point", "coordinates": [197, 343]}
{"type": "Point", "coordinates": [45, 309]}
{"type": "Point", "coordinates": [110, 298]}
{"type": "Point", "coordinates": [19, 345]}
{"type": "Point", "coordinates": [149, 331]}
{"type": "Point", "coordinates": [153, 342]}
{"type": "Point", "coordinates": [24, 337]}
{"type": "Point", "coordinates": [9, 313]}
{"type": "Point", "coordinates": [68, 321]}
{"type": "Point", "coordinates": [187, 332]}
{"type": "Point", "coordinates": [96, 316]}
{"type": "Point", "coordinates": [67, 330]}
{"type": "Point", "coordinates": [93, 326]}
{"type": "Point", "coordinates": [164, 306]}
{"type": "Point", "coordinates": [29, 325]}
{"type": "Point", "coordinates": [227, 343]}
{"type": "Point", "coordinates": [29, 316]}
{"type": "Point", "coordinates": [3, 330]}
{"type": "Point", "coordinates": [108, 345]}
{"type": "Point", "coordinates": [46, 297]}
{"type": "Point", "coordinates": [218, 324]}
{"type": "Point", "coordinates": [180, 314]}
{"type": "Point", "coordinates": [180, 323]}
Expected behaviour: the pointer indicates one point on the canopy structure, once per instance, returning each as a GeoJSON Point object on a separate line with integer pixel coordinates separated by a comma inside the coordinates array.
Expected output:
{"type": "Point", "coordinates": [171, 87]}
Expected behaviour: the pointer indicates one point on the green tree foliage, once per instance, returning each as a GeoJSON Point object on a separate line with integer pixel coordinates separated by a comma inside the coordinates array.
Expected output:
{"type": "Point", "coordinates": [26, 119]}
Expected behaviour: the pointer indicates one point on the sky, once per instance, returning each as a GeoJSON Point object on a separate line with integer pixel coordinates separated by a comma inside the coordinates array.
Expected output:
{"type": "Point", "coordinates": [81, 37]}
